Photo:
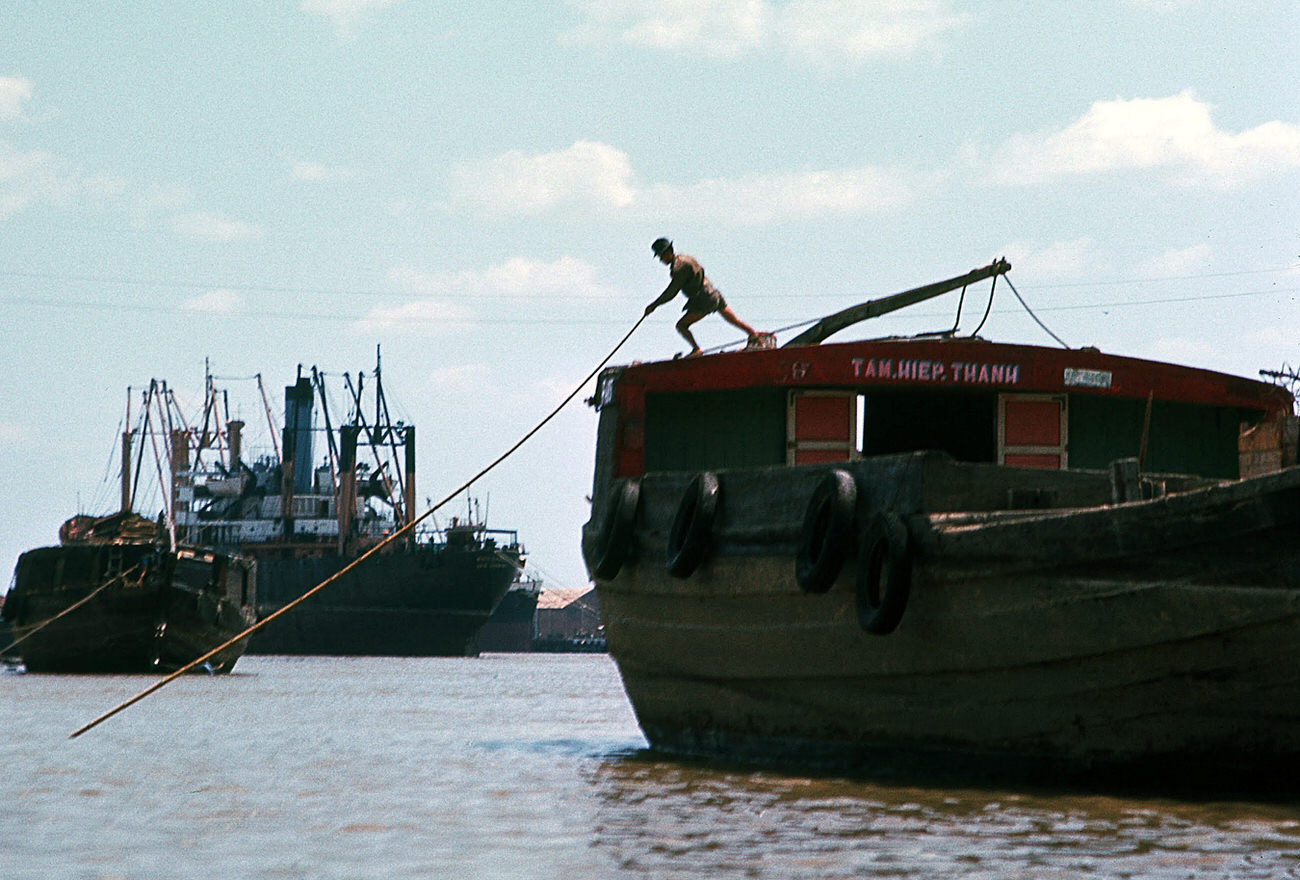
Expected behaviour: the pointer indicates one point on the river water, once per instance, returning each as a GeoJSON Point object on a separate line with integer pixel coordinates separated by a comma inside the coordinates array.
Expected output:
{"type": "Point", "coordinates": [516, 766]}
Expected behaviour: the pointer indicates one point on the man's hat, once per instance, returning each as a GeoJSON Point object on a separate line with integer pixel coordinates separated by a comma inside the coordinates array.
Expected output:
{"type": "Point", "coordinates": [661, 245]}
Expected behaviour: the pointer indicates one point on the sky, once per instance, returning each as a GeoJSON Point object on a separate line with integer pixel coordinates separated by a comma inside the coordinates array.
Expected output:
{"type": "Point", "coordinates": [472, 187]}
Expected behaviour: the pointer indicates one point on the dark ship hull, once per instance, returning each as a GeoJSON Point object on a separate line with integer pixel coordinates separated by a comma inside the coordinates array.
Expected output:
{"type": "Point", "coordinates": [159, 611]}
{"type": "Point", "coordinates": [7, 654]}
{"type": "Point", "coordinates": [511, 627]}
{"type": "Point", "coordinates": [429, 601]}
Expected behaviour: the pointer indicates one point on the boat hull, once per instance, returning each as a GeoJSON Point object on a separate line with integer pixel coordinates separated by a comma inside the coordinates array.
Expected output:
{"type": "Point", "coordinates": [1094, 641]}
{"type": "Point", "coordinates": [422, 602]}
{"type": "Point", "coordinates": [511, 627]}
{"type": "Point", "coordinates": [159, 611]}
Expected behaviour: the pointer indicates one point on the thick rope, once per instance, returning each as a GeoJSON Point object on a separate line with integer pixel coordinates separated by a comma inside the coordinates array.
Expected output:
{"type": "Point", "coordinates": [73, 607]}
{"type": "Point", "coordinates": [397, 535]}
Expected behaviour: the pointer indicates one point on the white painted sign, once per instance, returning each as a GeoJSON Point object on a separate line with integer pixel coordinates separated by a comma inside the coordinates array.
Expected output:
{"type": "Point", "coordinates": [1087, 378]}
{"type": "Point", "coordinates": [952, 372]}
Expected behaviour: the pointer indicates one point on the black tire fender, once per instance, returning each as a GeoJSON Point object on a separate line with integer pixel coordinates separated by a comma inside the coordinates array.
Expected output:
{"type": "Point", "coordinates": [615, 538]}
{"type": "Point", "coordinates": [884, 577]}
{"type": "Point", "coordinates": [691, 536]}
{"type": "Point", "coordinates": [826, 538]}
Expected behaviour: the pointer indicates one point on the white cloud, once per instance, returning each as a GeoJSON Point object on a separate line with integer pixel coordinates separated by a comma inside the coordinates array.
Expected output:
{"type": "Point", "coordinates": [14, 92]}
{"type": "Point", "coordinates": [156, 200]}
{"type": "Point", "coordinates": [586, 174]}
{"type": "Point", "coordinates": [713, 27]}
{"type": "Point", "coordinates": [568, 276]}
{"type": "Point", "coordinates": [32, 178]}
{"type": "Point", "coordinates": [215, 302]}
{"type": "Point", "coordinates": [1280, 335]}
{"type": "Point", "coordinates": [594, 176]}
{"type": "Point", "coordinates": [1177, 261]}
{"type": "Point", "coordinates": [204, 226]}
{"type": "Point", "coordinates": [1175, 135]}
{"type": "Point", "coordinates": [1060, 259]}
{"type": "Point", "coordinates": [460, 376]}
{"type": "Point", "coordinates": [805, 195]}
{"type": "Point", "coordinates": [320, 172]}
{"type": "Point", "coordinates": [15, 434]}
{"type": "Point", "coordinates": [1182, 350]}
{"type": "Point", "coordinates": [443, 294]}
{"type": "Point", "coordinates": [15, 165]}
{"type": "Point", "coordinates": [552, 389]}
{"type": "Point", "coordinates": [344, 14]}
{"type": "Point", "coordinates": [28, 178]}
{"type": "Point", "coordinates": [817, 31]}
{"type": "Point", "coordinates": [418, 318]}
{"type": "Point", "coordinates": [1164, 5]}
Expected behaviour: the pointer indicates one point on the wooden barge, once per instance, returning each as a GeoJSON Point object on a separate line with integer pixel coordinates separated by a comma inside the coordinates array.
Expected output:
{"type": "Point", "coordinates": [948, 555]}
{"type": "Point", "coordinates": [115, 596]}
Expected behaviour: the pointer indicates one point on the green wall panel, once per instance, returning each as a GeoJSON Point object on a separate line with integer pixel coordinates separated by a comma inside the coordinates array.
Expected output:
{"type": "Point", "coordinates": [1184, 437]}
{"type": "Point", "coordinates": [696, 430]}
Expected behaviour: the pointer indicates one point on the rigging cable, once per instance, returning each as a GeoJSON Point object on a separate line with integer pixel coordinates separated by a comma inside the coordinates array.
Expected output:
{"type": "Point", "coordinates": [989, 308]}
{"type": "Point", "coordinates": [957, 321]}
{"type": "Point", "coordinates": [1032, 315]}
{"type": "Point", "coordinates": [396, 535]}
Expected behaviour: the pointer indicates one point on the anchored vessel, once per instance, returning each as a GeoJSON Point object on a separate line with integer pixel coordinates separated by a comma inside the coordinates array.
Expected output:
{"type": "Point", "coordinates": [948, 555]}
{"type": "Point", "coordinates": [122, 594]}
{"type": "Point", "coordinates": [512, 626]}
{"type": "Point", "coordinates": [424, 596]}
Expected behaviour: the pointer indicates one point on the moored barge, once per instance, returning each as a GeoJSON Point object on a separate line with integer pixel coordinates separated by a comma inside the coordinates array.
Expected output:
{"type": "Point", "coordinates": [949, 555]}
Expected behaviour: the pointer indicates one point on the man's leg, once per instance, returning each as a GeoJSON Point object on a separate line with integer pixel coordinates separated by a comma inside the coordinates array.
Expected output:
{"type": "Point", "coordinates": [684, 328]}
{"type": "Point", "coordinates": [730, 317]}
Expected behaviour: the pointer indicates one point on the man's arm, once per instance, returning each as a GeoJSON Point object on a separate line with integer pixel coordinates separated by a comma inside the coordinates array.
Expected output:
{"type": "Point", "coordinates": [673, 288]}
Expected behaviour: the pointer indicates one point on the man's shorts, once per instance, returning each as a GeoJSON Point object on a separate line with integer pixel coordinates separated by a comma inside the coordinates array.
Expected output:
{"type": "Point", "coordinates": [705, 303]}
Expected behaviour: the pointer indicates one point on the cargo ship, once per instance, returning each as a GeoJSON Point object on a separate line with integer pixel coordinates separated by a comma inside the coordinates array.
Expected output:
{"type": "Point", "coordinates": [428, 595]}
{"type": "Point", "coordinates": [946, 555]}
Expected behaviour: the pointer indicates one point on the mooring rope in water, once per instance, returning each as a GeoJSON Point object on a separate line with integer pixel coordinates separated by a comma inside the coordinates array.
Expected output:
{"type": "Point", "coordinates": [404, 530]}
{"type": "Point", "coordinates": [121, 576]}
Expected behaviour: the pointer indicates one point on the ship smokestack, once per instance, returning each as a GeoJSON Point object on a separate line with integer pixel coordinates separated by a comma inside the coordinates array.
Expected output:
{"type": "Point", "coordinates": [347, 496]}
{"type": "Point", "coordinates": [298, 401]}
{"type": "Point", "coordinates": [234, 432]}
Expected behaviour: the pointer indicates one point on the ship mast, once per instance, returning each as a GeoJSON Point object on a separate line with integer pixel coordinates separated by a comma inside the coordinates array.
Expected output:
{"type": "Point", "coordinates": [399, 487]}
{"type": "Point", "coordinates": [126, 455]}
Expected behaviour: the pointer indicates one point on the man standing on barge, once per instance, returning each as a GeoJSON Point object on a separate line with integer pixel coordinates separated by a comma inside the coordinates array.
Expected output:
{"type": "Point", "coordinates": [702, 298]}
